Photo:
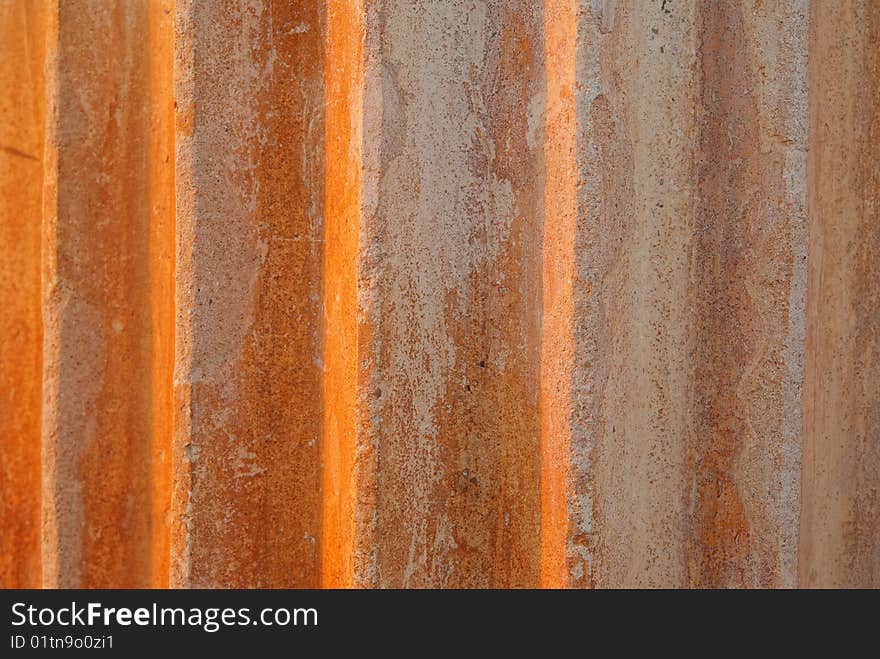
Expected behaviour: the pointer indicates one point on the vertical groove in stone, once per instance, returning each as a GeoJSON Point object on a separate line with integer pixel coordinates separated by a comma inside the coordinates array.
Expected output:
{"type": "Point", "coordinates": [162, 232]}
{"type": "Point", "coordinates": [343, 105]}
{"type": "Point", "coordinates": [250, 171]}
{"type": "Point", "coordinates": [747, 281]}
{"type": "Point", "coordinates": [450, 283]}
{"type": "Point", "coordinates": [840, 513]}
{"type": "Point", "coordinates": [98, 335]}
{"type": "Point", "coordinates": [22, 120]}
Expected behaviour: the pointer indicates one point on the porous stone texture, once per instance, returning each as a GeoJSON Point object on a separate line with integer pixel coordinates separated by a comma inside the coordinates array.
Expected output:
{"type": "Point", "coordinates": [675, 254]}
{"type": "Point", "coordinates": [105, 303]}
{"type": "Point", "coordinates": [449, 285]}
{"type": "Point", "coordinates": [471, 293]}
{"type": "Point", "coordinates": [250, 245]}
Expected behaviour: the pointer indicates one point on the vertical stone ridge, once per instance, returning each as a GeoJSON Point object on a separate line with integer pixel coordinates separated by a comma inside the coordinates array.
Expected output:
{"type": "Point", "coordinates": [49, 523]}
{"type": "Point", "coordinates": [747, 243]}
{"type": "Point", "coordinates": [840, 513]}
{"type": "Point", "coordinates": [181, 522]}
{"type": "Point", "coordinates": [23, 28]}
{"type": "Point", "coordinates": [250, 238]}
{"type": "Point", "coordinates": [636, 209]}
{"type": "Point", "coordinates": [98, 335]}
{"type": "Point", "coordinates": [648, 377]}
{"type": "Point", "coordinates": [450, 287]}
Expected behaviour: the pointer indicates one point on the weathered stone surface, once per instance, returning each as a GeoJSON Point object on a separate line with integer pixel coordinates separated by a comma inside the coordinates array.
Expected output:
{"type": "Point", "coordinates": [250, 246]}
{"type": "Point", "coordinates": [839, 542]}
{"type": "Point", "coordinates": [105, 306]}
{"type": "Point", "coordinates": [562, 293]}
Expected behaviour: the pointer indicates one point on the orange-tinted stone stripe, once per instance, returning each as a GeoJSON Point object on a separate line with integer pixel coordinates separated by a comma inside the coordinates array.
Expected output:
{"type": "Point", "coordinates": [248, 370]}
{"type": "Point", "coordinates": [99, 327]}
{"type": "Point", "coordinates": [557, 328]}
{"type": "Point", "coordinates": [23, 29]}
{"type": "Point", "coordinates": [343, 107]}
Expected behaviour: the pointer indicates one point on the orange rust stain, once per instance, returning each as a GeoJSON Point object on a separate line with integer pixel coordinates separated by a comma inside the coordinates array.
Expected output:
{"type": "Point", "coordinates": [280, 405]}
{"type": "Point", "coordinates": [22, 118]}
{"type": "Point", "coordinates": [737, 336]}
{"type": "Point", "coordinates": [508, 414]}
{"type": "Point", "coordinates": [557, 350]}
{"type": "Point", "coordinates": [246, 501]}
{"type": "Point", "coordinates": [721, 528]}
{"type": "Point", "coordinates": [455, 272]}
{"type": "Point", "coordinates": [344, 80]}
